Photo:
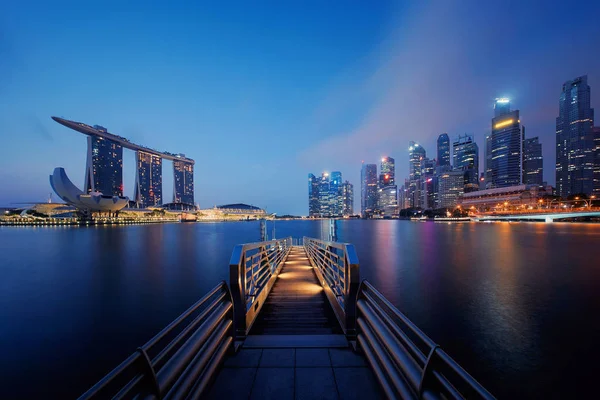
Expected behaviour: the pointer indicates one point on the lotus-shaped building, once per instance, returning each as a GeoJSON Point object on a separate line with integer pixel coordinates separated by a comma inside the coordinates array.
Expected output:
{"type": "Point", "coordinates": [92, 202]}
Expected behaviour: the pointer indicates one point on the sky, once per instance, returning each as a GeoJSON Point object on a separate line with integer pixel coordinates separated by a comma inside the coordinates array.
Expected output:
{"type": "Point", "coordinates": [262, 93]}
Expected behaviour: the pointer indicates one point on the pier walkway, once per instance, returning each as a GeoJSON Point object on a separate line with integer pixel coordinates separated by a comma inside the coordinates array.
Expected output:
{"type": "Point", "coordinates": [294, 322]}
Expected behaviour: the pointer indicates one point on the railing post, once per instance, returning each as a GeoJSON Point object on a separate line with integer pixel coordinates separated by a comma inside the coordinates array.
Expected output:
{"type": "Point", "coordinates": [352, 277]}
{"type": "Point", "coordinates": [237, 284]}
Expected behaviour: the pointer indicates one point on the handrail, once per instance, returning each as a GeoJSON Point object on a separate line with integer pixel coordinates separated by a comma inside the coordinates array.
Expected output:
{"type": "Point", "coordinates": [253, 269]}
{"type": "Point", "coordinates": [406, 362]}
{"type": "Point", "coordinates": [337, 268]}
{"type": "Point", "coordinates": [181, 360]}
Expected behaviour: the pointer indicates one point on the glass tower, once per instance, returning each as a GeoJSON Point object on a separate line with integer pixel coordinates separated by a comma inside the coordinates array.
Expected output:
{"type": "Point", "coordinates": [575, 139]}
{"type": "Point", "coordinates": [466, 158]}
{"type": "Point", "coordinates": [313, 196]}
{"type": "Point", "coordinates": [416, 157]}
{"type": "Point", "coordinates": [506, 147]}
{"type": "Point", "coordinates": [533, 162]}
{"type": "Point", "coordinates": [387, 173]}
{"type": "Point", "coordinates": [597, 162]}
{"type": "Point", "coordinates": [104, 170]}
{"type": "Point", "coordinates": [183, 182]}
{"type": "Point", "coordinates": [443, 150]}
{"type": "Point", "coordinates": [347, 198]}
{"type": "Point", "coordinates": [368, 189]}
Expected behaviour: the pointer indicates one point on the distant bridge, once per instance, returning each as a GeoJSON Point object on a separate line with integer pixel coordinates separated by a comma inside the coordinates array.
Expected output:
{"type": "Point", "coordinates": [546, 216]}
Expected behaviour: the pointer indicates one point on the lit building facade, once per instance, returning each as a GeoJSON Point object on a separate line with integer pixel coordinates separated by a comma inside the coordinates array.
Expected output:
{"type": "Point", "coordinates": [325, 208]}
{"type": "Point", "coordinates": [451, 187]}
{"type": "Point", "coordinates": [387, 172]}
{"type": "Point", "coordinates": [183, 182]}
{"type": "Point", "coordinates": [104, 172]}
{"type": "Point", "coordinates": [575, 139]}
{"type": "Point", "coordinates": [313, 196]}
{"type": "Point", "coordinates": [597, 161]}
{"type": "Point", "coordinates": [416, 156]}
{"type": "Point", "coordinates": [443, 150]}
{"type": "Point", "coordinates": [347, 196]}
{"type": "Point", "coordinates": [519, 196]}
{"type": "Point", "coordinates": [148, 180]}
{"type": "Point", "coordinates": [368, 189]}
{"type": "Point", "coordinates": [388, 200]}
{"type": "Point", "coordinates": [335, 193]}
{"type": "Point", "coordinates": [505, 167]}
{"type": "Point", "coordinates": [466, 158]}
{"type": "Point", "coordinates": [533, 162]}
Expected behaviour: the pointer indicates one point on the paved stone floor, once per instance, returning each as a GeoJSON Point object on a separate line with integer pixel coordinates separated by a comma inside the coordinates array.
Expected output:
{"type": "Point", "coordinates": [295, 373]}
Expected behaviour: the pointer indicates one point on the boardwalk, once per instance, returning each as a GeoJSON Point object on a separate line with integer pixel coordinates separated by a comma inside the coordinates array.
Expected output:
{"type": "Point", "coordinates": [296, 349]}
{"type": "Point", "coordinates": [297, 304]}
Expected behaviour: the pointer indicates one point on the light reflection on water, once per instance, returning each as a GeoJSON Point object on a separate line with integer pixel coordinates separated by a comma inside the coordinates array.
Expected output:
{"type": "Point", "coordinates": [516, 304]}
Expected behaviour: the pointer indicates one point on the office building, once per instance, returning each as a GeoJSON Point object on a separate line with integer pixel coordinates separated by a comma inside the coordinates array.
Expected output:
{"type": "Point", "coordinates": [466, 158]}
{"type": "Point", "coordinates": [596, 131]}
{"type": "Point", "coordinates": [347, 196]}
{"type": "Point", "coordinates": [368, 189]}
{"type": "Point", "coordinates": [416, 156]}
{"type": "Point", "coordinates": [313, 196]}
{"type": "Point", "coordinates": [183, 182]}
{"type": "Point", "coordinates": [388, 200]}
{"type": "Point", "coordinates": [325, 198]}
{"type": "Point", "coordinates": [506, 147]}
{"type": "Point", "coordinates": [487, 164]}
{"type": "Point", "coordinates": [575, 139]}
{"type": "Point", "coordinates": [335, 193]}
{"type": "Point", "coordinates": [443, 150]}
{"type": "Point", "coordinates": [533, 162]}
{"type": "Point", "coordinates": [451, 187]}
{"type": "Point", "coordinates": [387, 173]}
{"type": "Point", "coordinates": [148, 180]}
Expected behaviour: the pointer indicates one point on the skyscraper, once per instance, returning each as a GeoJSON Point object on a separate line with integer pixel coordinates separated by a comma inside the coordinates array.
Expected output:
{"type": "Point", "coordinates": [506, 147]}
{"type": "Point", "coordinates": [313, 196]}
{"type": "Point", "coordinates": [347, 198]}
{"type": "Point", "coordinates": [575, 139]}
{"type": "Point", "coordinates": [451, 187]}
{"type": "Point", "coordinates": [443, 150]}
{"type": "Point", "coordinates": [597, 161]}
{"type": "Point", "coordinates": [487, 164]}
{"type": "Point", "coordinates": [368, 189]}
{"type": "Point", "coordinates": [325, 198]}
{"type": "Point", "coordinates": [104, 169]}
{"type": "Point", "coordinates": [533, 162]}
{"type": "Point", "coordinates": [387, 173]}
{"type": "Point", "coordinates": [148, 180]}
{"type": "Point", "coordinates": [466, 158]}
{"type": "Point", "coordinates": [183, 182]}
{"type": "Point", "coordinates": [416, 156]}
{"type": "Point", "coordinates": [335, 193]}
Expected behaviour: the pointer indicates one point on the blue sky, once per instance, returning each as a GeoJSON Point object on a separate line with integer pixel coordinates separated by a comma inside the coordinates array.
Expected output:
{"type": "Point", "coordinates": [262, 93]}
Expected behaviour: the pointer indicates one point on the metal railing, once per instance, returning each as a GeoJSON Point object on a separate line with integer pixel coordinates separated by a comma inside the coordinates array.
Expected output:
{"type": "Point", "coordinates": [253, 269]}
{"type": "Point", "coordinates": [406, 362]}
{"type": "Point", "coordinates": [181, 360]}
{"type": "Point", "coordinates": [336, 266]}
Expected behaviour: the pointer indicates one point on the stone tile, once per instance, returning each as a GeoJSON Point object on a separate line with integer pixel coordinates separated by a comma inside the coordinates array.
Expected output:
{"type": "Point", "coordinates": [244, 358]}
{"type": "Point", "coordinates": [315, 383]}
{"type": "Point", "coordinates": [346, 358]}
{"type": "Point", "coordinates": [273, 383]}
{"type": "Point", "coordinates": [277, 358]}
{"type": "Point", "coordinates": [232, 383]}
{"type": "Point", "coordinates": [312, 358]}
{"type": "Point", "coordinates": [357, 383]}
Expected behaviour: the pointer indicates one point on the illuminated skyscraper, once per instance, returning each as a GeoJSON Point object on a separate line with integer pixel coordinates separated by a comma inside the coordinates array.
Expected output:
{"type": "Point", "coordinates": [347, 190]}
{"type": "Point", "coordinates": [325, 206]}
{"type": "Point", "coordinates": [416, 157]}
{"type": "Point", "coordinates": [575, 139]}
{"type": "Point", "coordinates": [183, 182]}
{"type": "Point", "coordinates": [443, 150]}
{"type": "Point", "coordinates": [368, 189]}
{"type": "Point", "coordinates": [533, 162]}
{"type": "Point", "coordinates": [451, 187]}
{"type": "Point", "coordinates": [387, 172]}
{"type": "Point", "coordinates": [506, 147]}
{"type": "Point", "coordinates": [466, 158]}
{"type": "Point", "coordinates": [313, 196]}
{"type": "Point", "coordinates": [597, 161]}
{"type": "Point", "coordinates": [148, 180]}
{"type": "Point", "coordinates": [335, 193]}
{"type": "Point", "coordinates": [104, 170]}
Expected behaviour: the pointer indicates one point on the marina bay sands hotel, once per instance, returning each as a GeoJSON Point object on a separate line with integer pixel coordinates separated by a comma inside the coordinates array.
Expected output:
{"type": "Point", "coordinates": [104, 167]}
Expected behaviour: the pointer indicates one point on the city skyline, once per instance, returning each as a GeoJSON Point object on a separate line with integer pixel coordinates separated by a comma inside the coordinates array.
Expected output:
{"type": "Point", "coordinates": [320, 94]}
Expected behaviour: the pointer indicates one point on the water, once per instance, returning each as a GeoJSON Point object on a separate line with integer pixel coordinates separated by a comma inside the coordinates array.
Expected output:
{"type": "Point", "coordinates": [516, 304]}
